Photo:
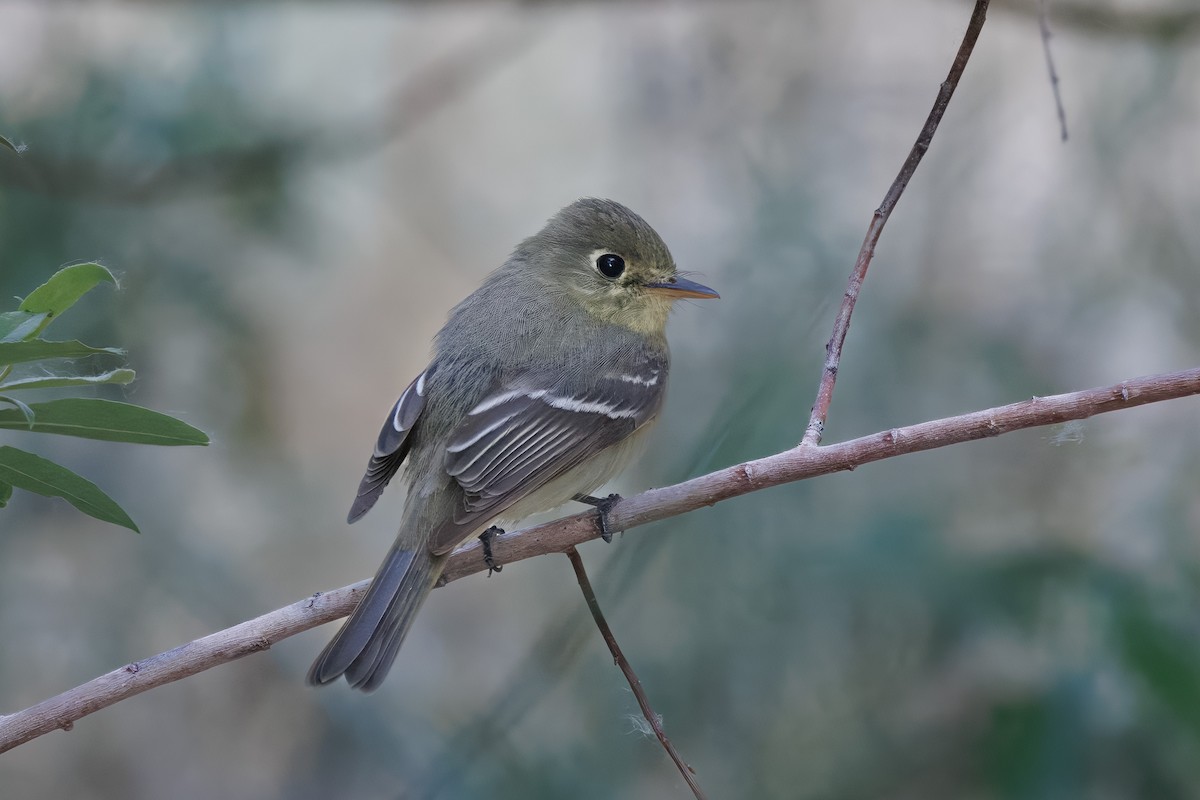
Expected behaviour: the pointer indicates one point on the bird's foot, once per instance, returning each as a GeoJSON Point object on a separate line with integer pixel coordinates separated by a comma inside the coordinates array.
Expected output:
{"type": "Point", "coordinates": [485, 539]}
{"type": "Point", "coordinates": [603, 505]}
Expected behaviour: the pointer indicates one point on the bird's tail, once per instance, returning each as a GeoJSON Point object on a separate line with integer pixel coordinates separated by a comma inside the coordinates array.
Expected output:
{"type": "Point", "coordinates": [366, 646]}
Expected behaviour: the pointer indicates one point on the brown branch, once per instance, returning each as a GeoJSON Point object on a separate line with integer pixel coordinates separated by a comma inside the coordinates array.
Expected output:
{"type": "Point", "coordinates": [252, 636]}
{"type": "Point", "coordinates": [798, 463]}
{"type": "Point", "coordinates": [619, 659]}
{"type": "Point", "coordinates": [1044, 27]}
{"type": "Point", "coordinates": [833, 350]}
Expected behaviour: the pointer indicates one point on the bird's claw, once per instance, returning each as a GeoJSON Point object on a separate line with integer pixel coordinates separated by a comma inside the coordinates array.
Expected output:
{"type": "Point", "coordinates": [485, 539]}
{"type": "Point", "coordinates": [603, 505]}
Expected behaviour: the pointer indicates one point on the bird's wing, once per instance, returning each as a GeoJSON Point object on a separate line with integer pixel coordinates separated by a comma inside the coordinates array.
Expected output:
{"type": "Point", "coordinates": [392, 445]}
{"type": "Point", "coordinates": [521, 437]}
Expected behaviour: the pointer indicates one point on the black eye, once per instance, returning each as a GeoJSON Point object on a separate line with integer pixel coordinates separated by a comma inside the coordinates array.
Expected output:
{"type": "Point", "coordinates": [610, 265]}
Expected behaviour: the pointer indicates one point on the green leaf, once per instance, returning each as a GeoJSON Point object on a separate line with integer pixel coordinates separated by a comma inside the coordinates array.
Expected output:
{"type": "Point", "coordinates": [66, 286]}
{"type": "Point", "coordinates": [36, 474]}
{"type": "Point", "coordinates": [24, 409]}
{"type": "Point", "coordinates": [18, 325]}
{"type": "Point", "coordinates": [118, 376]}
{"type": "Point", "coordinates": [93, 418]}
{"type": "Point", "coordinates": [37, 349]}
{"type": "Point", "coordinates": [5, 494]}
{"type": "Point", "coordinates": [16, 148]}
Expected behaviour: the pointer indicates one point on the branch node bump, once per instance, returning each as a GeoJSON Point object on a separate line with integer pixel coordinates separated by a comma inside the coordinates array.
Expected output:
{"type": "Point", "coordinates": [748, 473]}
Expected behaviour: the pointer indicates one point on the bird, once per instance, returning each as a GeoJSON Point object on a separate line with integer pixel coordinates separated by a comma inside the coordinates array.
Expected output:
{"type": "Point", "coordinates": [542, 386]}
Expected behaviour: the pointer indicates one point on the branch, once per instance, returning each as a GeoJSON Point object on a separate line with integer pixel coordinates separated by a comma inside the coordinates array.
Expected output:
{"type": "Point", "coordinates": [252, 636]}
{"type": "Point", "coordinates": [1044, 27]}
{"type": "Point", "coordinates": [833, 350]}
{"type": "Point", "coordinates": [796, 464]}
{"type": "Point", "coordinates": [619, 659]}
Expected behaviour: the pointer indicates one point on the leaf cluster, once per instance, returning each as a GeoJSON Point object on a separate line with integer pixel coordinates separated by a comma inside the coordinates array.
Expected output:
{"type": "Point", "coordinates": [46, 364]}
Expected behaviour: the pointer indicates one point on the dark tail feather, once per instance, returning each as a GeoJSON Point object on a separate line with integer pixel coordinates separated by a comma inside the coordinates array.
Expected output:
{"type": "Point", "coordinates": [366, 646]}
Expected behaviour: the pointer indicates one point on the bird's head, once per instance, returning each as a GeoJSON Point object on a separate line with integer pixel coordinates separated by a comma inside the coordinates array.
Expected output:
{"type": "Point", "coordinates": [606, 258]}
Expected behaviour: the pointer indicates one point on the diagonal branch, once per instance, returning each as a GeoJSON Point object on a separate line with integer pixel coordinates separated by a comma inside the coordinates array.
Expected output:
{"type": "Point", "coordinates": [798, 463]}
{"type": "Point", "coordinates": [833, 350]}
{"type": "Point", "coordinates": [1047, 35]}
{"type": "Point", "coordinates": [610, 639]}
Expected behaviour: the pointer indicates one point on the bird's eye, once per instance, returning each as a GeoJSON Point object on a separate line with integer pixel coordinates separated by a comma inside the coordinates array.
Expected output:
{"type": "Point", "coordinates": [610, 265]}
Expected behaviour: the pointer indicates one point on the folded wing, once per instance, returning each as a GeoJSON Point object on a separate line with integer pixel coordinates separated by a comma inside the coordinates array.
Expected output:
{"type": "Point", "coordinates": [525, 435]}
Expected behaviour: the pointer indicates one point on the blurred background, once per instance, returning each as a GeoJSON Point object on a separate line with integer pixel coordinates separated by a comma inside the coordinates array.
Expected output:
{"type": "Point", "coordinates": [295, 193]}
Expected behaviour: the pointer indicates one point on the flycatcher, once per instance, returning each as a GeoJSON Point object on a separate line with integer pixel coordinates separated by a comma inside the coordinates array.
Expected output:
{"type": "Point", "coordinates": [542, 385]}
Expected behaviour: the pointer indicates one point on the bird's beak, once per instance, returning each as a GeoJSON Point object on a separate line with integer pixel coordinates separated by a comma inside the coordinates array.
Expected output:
{"type": "Point", "coordinates": [682, 287]}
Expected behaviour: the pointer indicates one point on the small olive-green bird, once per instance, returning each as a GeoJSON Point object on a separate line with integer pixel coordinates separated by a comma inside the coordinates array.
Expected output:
{"type": "Point", "coordinates": [542, 385]}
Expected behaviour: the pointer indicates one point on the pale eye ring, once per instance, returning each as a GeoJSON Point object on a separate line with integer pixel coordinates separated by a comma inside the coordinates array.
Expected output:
{"type": "Point", "coordinates": [610, 265]}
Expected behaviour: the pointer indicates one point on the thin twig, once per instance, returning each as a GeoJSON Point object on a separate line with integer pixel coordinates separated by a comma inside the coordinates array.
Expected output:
{"type": "Point", "coordinates": [1044, 27]}
{"type": "Point", "coordinates": [833, 350]}
{"type": "Point", "coordinates": [796, 464]}
{"type": "Point", "coordinates": [619, 659]}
